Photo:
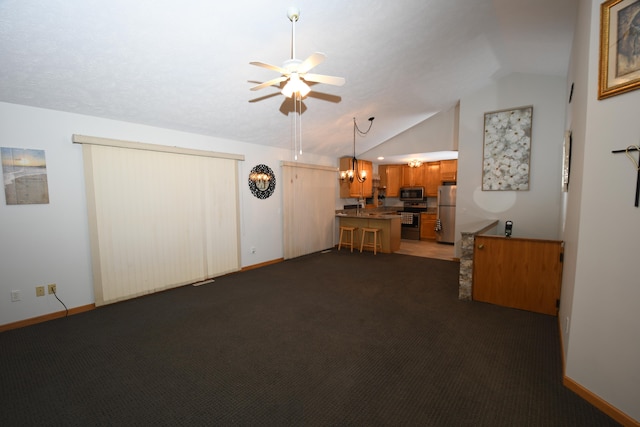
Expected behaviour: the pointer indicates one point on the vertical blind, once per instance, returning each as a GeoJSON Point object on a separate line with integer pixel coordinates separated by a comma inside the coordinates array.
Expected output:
{"type": "Point", "coordinates": [159, 217]}
{"type": "Point", "coordinates": [309, 208]}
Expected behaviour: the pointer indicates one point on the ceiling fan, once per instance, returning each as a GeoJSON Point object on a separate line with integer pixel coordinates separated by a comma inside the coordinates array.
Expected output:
{"type": "Point", "coordinates": [294, 71]}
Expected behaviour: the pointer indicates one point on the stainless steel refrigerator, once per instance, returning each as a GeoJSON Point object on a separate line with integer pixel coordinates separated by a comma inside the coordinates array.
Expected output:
{"type": "Point", "coordinates": [446, 221]}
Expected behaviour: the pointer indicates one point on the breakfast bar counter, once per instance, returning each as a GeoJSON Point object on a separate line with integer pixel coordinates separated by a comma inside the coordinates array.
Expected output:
{"type": "Point", "coordinates": [388, 223]}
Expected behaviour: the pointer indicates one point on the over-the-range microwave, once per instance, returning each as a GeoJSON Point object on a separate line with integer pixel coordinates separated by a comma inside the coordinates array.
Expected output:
{"type": "Point", "coordinates": [412, 194]}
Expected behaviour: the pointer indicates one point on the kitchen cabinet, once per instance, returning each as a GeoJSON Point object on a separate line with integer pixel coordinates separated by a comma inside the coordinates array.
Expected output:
{"type": "Point", "coordinates": [449, 170]}
{"type": "Point", "coordinates": [367, 186]}
{"type": "Point", "coordinates": [412, 177]}
{"type": "Point", "coordinates": [356, 189]}
{"type": "Point", "coordinates": [518, 273]}
{"type": "Point", "coordinates": [432, 178]}
{"type": "Point", "coordinates": [427, 226]}
{"type": "Point", "coordinates": [390, 178]}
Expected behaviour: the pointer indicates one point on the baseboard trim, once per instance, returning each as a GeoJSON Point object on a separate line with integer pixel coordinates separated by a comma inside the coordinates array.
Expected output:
{"type": "Point", "coordinates": [590, 397]}
{"type": "Point", "coordinates": [599, 403]}
{"type": "Point", "coordinates": [262, 264]}
{"type": "Point", "coordinates": [561, 345]}
{"type": "Point", "coordinates": [46, 317]}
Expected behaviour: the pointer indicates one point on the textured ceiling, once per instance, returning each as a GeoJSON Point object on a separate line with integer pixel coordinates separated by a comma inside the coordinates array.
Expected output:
{"type": "Point", "coordinates": [185, 64]}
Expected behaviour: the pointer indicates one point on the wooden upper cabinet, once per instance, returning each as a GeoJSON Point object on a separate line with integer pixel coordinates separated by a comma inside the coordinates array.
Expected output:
{"type": "Point", "coordinates": [382, 171]}
{"type": "Point", "coordinates": [356, 189]}
{"type": "Point", "coordinates": [432, 178]}
{"type": "Point", "coordinates": [367, 186]}
{"type": "Point", "coordinates": [412, 177]}
{"type": "Point", "coordinates": [390, 178]}
{"type": "Point", "coordinates": [518, 273]}
{"type": "Point", "coordinates": [449, 170]}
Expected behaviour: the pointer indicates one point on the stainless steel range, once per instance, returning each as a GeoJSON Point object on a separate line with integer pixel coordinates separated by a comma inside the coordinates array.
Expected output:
{"type": "Point", "coordinates": [410, 214]}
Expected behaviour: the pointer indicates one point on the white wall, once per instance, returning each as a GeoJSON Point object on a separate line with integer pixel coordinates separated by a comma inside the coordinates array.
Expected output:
{"type": "Point", "coordinates": [601, 284]}
{"type": "Point", "coordinates": [535, 213]}
{"type": "Point", "coordinates": [437, 133]}
{"type": "Point", "coordinates": [41, 244]}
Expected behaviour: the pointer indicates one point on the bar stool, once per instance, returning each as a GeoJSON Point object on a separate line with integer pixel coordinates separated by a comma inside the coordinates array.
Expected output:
{"type": "Point", "coordinates": [376, 243]}
{"type": "Point", "coordinates": [349, 242]}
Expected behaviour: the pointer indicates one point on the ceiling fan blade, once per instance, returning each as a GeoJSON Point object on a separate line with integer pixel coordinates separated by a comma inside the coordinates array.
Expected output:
{"type": "Point", "coordinates": [262, 98]}
{"type": "Point", "coordinates": [270, 67]}
{"type": "Point", "coordinates": [311, 61]}
{"type": "Point", "coordinates": [319, 78]}
{"type": "Point", "coordinates": [288, 107]}
{"type": "Point", "coordinates": [325, 97]}
{"type": "Point", "coordinates": [271, 82]}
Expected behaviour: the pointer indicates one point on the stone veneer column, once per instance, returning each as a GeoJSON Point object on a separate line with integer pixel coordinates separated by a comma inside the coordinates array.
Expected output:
{"type": "Point", "coordinates": [466, 266]}
{"type": "Point", "coordinates": [467, 244]}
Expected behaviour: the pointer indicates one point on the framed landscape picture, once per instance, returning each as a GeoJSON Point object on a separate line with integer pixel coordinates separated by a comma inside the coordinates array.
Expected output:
{"type": "Point", "coordinates": [507, 149]}
{"type": "Point", "coordinates": [24, 172]}
{"type": "Point", "coordinates": [619, 47]}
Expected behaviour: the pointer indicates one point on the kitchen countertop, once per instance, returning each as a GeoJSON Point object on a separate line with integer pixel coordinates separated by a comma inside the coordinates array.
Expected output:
{"type": "Point", "coordinates": [367, 213]}
{"type": "Point", "coordinates": [377, 213]}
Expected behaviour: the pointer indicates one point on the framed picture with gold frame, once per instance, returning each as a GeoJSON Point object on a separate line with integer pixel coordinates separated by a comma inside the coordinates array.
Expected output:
{"type": "Point", "coordinates": [619, 47]}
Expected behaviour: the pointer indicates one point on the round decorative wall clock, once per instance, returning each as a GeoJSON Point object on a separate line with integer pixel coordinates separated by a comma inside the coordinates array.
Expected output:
{"type": "Point", "coordinates": [262, 181]}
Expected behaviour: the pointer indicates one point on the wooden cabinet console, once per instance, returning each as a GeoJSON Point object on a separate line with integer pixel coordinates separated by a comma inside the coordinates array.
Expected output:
{"type": "Point", "coordinates": [518, 273]}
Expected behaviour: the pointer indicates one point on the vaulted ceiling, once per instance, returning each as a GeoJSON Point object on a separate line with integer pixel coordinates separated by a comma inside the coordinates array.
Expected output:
{"type": "Point", "coordinates": [184, 64]}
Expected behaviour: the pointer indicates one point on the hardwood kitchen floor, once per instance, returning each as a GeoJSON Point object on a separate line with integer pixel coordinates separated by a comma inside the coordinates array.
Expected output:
{"type": "Point", "coordinates": [427, 249]}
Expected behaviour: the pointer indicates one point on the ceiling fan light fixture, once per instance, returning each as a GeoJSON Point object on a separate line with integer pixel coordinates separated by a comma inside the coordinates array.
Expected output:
{"type": "Point", "coordinates": [295, 85]}
{"type": "Point", "coordinates": [293, 68]}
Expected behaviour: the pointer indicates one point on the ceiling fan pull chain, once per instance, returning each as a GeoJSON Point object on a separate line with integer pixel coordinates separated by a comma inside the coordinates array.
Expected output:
{"type": "Point", "coordinates": [295, 128]}
{"type": "Point", "coordinates": [300, 115]}
{"type": "Point", "coordinates": [294, 134]}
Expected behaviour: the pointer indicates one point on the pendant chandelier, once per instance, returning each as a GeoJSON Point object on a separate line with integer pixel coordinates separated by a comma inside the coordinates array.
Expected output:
{"type": "Point", "coordinates": [354, 172]}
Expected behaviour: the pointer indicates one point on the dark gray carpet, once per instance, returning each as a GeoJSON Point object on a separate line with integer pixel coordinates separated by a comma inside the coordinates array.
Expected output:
{"type": "Point", "coordinates": [333, 339]}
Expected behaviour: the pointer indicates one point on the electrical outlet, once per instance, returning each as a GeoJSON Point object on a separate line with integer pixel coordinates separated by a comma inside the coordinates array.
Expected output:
{"type": "Point", "coordinates": [15, 296]}
{"type": "Point", "coordinates": [52, 288]}
{"type": "Point", "coordinates": [39, 291]}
